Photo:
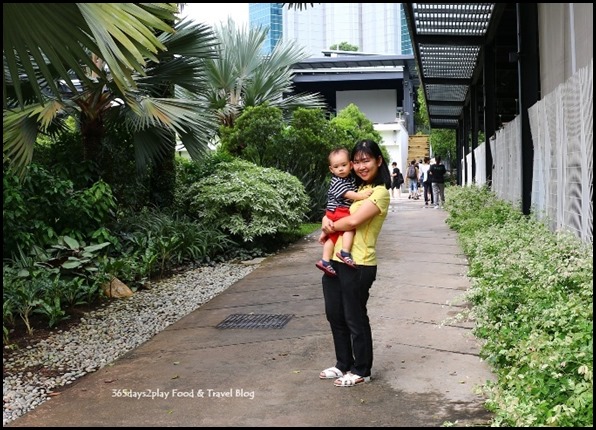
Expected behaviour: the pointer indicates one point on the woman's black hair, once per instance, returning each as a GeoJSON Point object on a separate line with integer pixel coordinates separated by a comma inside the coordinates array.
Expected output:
{"type": "Point", "coordinates": [372, 149]}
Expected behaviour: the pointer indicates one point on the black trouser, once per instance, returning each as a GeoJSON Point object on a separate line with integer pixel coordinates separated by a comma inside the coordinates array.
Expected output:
{"type": "Point", "coordinates": [345, 306]}
{"type": "Point", "coordinates": [428, 191]}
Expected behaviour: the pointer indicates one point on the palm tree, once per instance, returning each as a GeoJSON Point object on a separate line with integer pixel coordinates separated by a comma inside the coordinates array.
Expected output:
{"type": "Point", "coordinates": [41, 40]}
{"type": "Point", "coordinates": [145, 105]}
{"type": "Point", "coordinates": [242, 76]}
{"type": "Point", "coordinates": [71, 42]}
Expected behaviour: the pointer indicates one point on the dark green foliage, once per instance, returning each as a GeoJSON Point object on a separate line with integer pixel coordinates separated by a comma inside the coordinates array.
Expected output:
{"type": "Point", "coordinates": [256, 135]}
{"type": "Point", "coordinates": [357, 126]}
{"type": "Point", "coordinates": [160, 241]}
{"type": "Point", "coordinates": [62, 154]}
{"type": "Point", "coordinates": [43, 207]}
{"type": "Point", "coordinates": [189, 171]}
{"type": "Point", "coordinates": [45, 282]}
{"type": "Point", "coordinates": [300, 149]}
{"type": "Point", "coordinates": [129, 184]}
{"type": "Point", "coordinates": [163, 177]}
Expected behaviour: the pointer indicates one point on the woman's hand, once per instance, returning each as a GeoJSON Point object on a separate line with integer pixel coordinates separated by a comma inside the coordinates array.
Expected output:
{"type": "Point", "coordinates": [327, 226]}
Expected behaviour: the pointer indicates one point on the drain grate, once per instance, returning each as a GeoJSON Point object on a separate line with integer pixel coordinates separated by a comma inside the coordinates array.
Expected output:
{"type": "Point", "coordinates": [255, 321]}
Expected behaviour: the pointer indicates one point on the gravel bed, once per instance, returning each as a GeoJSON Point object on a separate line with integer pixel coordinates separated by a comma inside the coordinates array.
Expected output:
{"type": "Point", "coordinates": [104, 335]}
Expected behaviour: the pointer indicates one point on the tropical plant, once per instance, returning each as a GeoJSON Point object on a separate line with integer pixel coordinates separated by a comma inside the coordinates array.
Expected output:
{"type": "Point", "coordinates": [532, 296]}
{"type": "Point", "coordinates": [442, 142]}
{"type": "Point", "coordinates": [43, 207]}
{"type": "Point", "coordinates": [256, 135]}
{"type": "Point", "coordinates": [344, 46]}
{"type": "Point", "coordinates": [43, 42]}
{"type": "Point", "coordinates": [242, 76]}
{"type": "Point", "coordinates": [356, 124]}
{"type": "Point", "coordinates": [142, 102]}
{"type": "Point", "coordinates": [247, 201]}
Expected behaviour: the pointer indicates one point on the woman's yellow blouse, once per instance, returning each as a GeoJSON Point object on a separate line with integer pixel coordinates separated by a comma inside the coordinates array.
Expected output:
{"type": "Point", "coordinates": [365, 239]}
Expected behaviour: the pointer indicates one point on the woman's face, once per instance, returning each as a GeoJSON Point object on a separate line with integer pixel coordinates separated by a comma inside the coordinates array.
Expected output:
{"type": "Point", "coordinates": [366, 166]}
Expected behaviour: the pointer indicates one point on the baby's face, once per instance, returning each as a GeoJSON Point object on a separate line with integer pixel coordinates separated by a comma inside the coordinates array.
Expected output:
{"type": "Point", "coordinates": [339, 164]}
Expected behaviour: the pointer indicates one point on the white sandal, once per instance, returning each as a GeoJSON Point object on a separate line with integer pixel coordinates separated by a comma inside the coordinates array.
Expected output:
{"type": "Point", "coordinates": [351, 379]}
{"type": "Point", "coordinates": [331, 373]}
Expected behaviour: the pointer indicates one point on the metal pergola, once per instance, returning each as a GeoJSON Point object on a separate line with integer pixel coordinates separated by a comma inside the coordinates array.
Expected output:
{"type": "Point", "coordinates": [478, 64]}
{"type": "Point", "coordinates": [449, 40]}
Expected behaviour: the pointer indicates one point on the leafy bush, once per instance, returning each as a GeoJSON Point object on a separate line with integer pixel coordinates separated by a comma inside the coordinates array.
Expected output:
{"type": "Point", "coordinates": [188, 172]}
{"type": "Point", "coordinates": [532, 292]}
{"type": "Point", "coordinates": [46, 282]}
{"type": "Point", "coordinates": [300, 147]}
{"type": "Point", "coordinates": [155, 242]}
{"type": "Point", "coordinates": [247, 201]}
{"type": "Point", "coordinates": [256, 135]}
{"type": "Point", "coordinates": [62, 153]}
{"type": "Point", "coordinates": [43, 207]}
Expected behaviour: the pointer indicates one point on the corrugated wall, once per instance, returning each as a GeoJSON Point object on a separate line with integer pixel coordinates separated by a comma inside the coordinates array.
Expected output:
{"type": "Point", "coordinates": [562, 130]}
{"type": "Point", "coordinates": [561, 124]}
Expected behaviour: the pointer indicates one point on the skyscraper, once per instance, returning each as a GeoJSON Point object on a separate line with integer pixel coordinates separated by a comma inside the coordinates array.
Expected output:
{"type": "Point", "coordinates": [267, 15]}
{"type": "Point", "coordinates": [374, 28]}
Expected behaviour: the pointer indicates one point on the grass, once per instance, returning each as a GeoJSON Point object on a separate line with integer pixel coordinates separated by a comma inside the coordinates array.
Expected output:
{"type": "Point", "coordinates": [308, 228]}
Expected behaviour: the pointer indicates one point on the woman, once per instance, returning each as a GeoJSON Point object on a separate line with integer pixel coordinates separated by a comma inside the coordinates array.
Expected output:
{"type": "Point", "coordinates": [346, 295]}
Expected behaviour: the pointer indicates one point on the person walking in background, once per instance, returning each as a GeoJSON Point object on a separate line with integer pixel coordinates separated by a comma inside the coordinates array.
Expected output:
{"type": "Point", "coordinates": [341, 194]}
{"type": "Point", "coordinates": [425, 180]}
{"type": "Point", "coordinates": [396, 180]}
{"type": "Point", "coordinates": [412, 175]}
{"type": "Point", "coordinates": [418, 164]}
{"type": "Point", "coordinates": [437, 178]}
{"type": "Point", "coordinates": [346, 295]}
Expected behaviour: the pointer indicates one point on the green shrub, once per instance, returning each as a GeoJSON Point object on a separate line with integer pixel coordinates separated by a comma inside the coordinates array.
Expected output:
{"type": "Point", "coordinates": [154, 242]}
{"type": "Point", "coordinates": [532, 296]}
{"type": "Point", "coordinates": [42, 207]}
{"type": "Point", "coordinates": [247, 201]}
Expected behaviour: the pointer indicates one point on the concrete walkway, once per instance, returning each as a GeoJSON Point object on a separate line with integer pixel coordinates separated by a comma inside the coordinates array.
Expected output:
{"type": "Point", "coordinates": [425, 371]}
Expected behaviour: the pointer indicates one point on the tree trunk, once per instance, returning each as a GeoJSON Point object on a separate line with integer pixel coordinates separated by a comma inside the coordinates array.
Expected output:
{"type": "Point", "coordinates": [92, 132]}
{"type": "Point", "coordinates": [163, 177]}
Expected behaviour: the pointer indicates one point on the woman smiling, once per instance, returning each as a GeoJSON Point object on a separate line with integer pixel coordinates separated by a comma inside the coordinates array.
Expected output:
{"type": "Point", "coordinates": [347, 294]}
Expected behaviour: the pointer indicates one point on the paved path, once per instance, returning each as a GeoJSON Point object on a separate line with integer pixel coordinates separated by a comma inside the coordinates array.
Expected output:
{"type": "Point", "coordinates": [425, 370]}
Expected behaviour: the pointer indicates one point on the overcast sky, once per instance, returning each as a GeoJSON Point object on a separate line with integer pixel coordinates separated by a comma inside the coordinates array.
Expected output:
{"type": "Point", "coordinates": [214, 13]}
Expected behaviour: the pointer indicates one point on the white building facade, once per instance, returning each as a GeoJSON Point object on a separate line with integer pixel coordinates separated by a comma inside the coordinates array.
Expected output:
{"type": "Point", "coordinates": [379, 107]}
{"type": "Point", "coordinates": [375, 28]}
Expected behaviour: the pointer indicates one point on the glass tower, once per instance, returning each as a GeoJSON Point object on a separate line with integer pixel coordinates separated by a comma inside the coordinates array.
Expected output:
{"type": "Point", "coordinates": [267, 15]}
{"type": "Point", "coordinates": [406, 41]}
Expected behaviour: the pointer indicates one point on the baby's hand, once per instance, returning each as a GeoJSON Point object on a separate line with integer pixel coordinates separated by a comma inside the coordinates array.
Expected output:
{"type": "Point", "coordinates": [365, 194]}
{"type": "Point", "coordinates": [322, 238]}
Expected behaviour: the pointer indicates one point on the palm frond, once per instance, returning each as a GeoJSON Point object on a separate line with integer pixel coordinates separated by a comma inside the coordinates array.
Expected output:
{"type": "Point", "coordinates": [182, 63]}
{"type": "Point", "coordinates": [37, 35]}
{"type": "Point", "coordinates": [149, 146]}
{"type": "Point", "coordinates": [243, 76]}
{"type": "Point", "coordinates": [298, 6]}
{"type": "Point", "coordinates": [20, 132]}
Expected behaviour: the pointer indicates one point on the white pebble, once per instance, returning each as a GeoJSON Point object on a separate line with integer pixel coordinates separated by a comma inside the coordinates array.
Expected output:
{"type": "Point", "coordinates": [108, 333]}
